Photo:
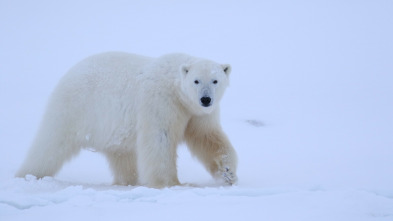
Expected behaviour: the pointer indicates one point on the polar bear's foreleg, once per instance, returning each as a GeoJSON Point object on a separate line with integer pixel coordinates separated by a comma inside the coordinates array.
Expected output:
{"type": "Point", "coordinates": [156, 154]}
{"type": "Point", "coordinates": [123, 166]}
{"type": "Point", "coordinates": [210, 145]}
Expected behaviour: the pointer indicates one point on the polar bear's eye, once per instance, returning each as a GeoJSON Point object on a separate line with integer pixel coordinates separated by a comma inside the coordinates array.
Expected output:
{"type": "Point", "coordinates": [215, 82]}
{"type": "Point", "coordinates": [196, 82]}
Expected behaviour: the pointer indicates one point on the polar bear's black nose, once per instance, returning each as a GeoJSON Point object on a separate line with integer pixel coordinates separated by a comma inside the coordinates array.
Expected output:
{"type": "Point", "coordinates": [206, 101]}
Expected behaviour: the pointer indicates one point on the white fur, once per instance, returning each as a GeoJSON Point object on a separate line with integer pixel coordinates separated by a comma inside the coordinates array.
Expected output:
{"type": "Point", "coordinates": [136, 110]}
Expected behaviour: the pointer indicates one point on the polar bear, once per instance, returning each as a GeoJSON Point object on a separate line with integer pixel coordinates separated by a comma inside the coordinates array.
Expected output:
{"type": "Point", "coordinates": [136, 110]}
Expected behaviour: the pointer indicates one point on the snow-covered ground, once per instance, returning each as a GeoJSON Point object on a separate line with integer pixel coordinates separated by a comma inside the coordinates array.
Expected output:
{"type": "Point", "coordinates": [309, 108]}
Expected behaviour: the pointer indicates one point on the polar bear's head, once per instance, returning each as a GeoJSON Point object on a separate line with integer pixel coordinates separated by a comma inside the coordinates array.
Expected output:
{"type": "Point", "coordinates": [203, 84]}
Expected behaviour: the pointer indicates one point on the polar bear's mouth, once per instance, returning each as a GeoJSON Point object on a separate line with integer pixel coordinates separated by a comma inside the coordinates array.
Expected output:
{"type": "Point", "coordinates": [206, 101]}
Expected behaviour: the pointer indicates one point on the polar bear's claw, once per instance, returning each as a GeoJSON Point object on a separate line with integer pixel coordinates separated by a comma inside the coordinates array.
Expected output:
{"type": "Point", "coordinates": [229, 177]}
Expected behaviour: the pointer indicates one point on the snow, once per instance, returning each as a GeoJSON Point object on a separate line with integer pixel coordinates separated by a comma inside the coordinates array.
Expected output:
{"type": "Point", "coordinates": [48, 198]}
{"type": "Point", "coordinates": [309, 109]}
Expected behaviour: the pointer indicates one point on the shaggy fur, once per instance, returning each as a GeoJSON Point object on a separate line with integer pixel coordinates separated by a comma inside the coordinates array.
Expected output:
{"type": "Point", "coordinates": [136, 110]}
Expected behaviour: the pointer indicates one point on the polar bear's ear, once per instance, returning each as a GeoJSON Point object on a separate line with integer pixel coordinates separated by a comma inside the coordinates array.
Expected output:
{"type": "Point", "coordinates": [226, 68]}
{"type": "Point", "coordinates": [184, 69]}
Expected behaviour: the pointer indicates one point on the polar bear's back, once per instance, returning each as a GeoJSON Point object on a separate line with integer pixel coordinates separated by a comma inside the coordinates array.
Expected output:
{"type": "Point", "coordinates": [94, 99]}
{"type": "Point", "coordinates": [102, 76]}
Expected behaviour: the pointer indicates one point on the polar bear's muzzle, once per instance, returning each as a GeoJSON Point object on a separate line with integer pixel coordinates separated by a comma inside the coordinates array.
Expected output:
{"type": "Point", "coordinates": [206, 101]}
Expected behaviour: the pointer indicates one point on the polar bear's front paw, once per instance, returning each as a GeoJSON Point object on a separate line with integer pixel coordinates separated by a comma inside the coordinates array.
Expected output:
{"type": "Point", "coordinates": [228, 176]}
